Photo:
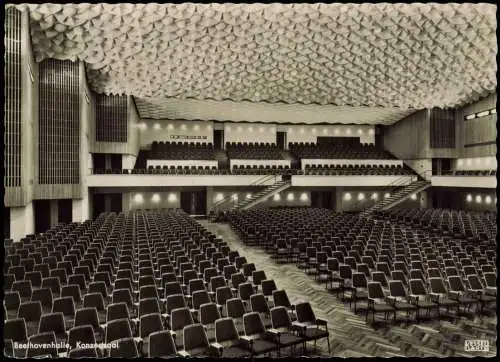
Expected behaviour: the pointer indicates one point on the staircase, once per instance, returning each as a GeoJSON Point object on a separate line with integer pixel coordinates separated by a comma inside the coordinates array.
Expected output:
{"type": "Point", "coordinates": [263, 195]}
{"type": "Point", "coordinates": [397, 197]}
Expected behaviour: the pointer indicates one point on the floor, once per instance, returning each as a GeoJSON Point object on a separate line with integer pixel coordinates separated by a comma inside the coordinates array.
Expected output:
{"type": "Point", "coordinates": [350, 336]}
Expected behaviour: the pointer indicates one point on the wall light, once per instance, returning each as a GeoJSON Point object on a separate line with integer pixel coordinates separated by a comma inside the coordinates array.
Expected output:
{"type": "Point", "coordinates": [325, 130]}
{"type": "Point", "coordinates": [487, 199]}
{"type": "Point", "coordinates": [304, 197]}
{"type": "Point", "coordinates": [261, 129]}
{"type": "Point", "coordinates": [170, 127]}
{"type": "Point", "coordinates": [479, 199]}
{"type": "Point", "coordinates": [219, 197]}
{"type": "Point", "coordinates": [313, 131]}
{"type": "Point", "coordinates": [482, 114]}
{"type": "Point", "coordinates": [250, 129]}
{"type": "Point", "coordinates": [302, 130]}
{"type": "Point", "coordinates": [413, 196]}
{"type": "Point", "coordinates": [493, 111]}
{"type": "Point", "coordinates": [290, 130]}
{"type": "Point", "coordinates": [469, 198]}
{"type": "Point", "coordinates": [387, 195]}
{"type": "Point", "coordinates": [290, 196]}
{"type": "Point", "coordinates": [138, 198]}
{"type": "Point", "coordinates": [172, 197]}
{"type": "Point", "coordinates": [249, 195]}
{"type": "Point", "coordinates": [460, 162]}
{"type": "Point", "coordinates": [360, 131]}
{"type": "Point", "coordinates": [196, 127]}
{"type": "Point", "coordinates": [239, 129]}
{"type": "Point", "coordinates": [143, 126]}
{"type": "Point", "coordinates": [155, 198]}
{"type": "Point", "coordinates": [228, 128]}
{"type": "Point", "coordinates": [336, 131]}
{"type": "Point", "coordinates": [157, 126]}
{"type": "Point", "coordinates": [469, 162]}
{"type": "Point", "coordinates": [183, 127]}
{"type": "Point", "coordinates": [348, 131]}
{"type": "Point", "coordinates": [347, 196]}
{"type": "Point", "coordinates": [235, 197]}
{"type": "Point", "coordinates": [276, 197]}
{"type": "Point", "coordinates": [371, 131]}
{"type": "Point", "coordinates": [361, 196]}
{"type": "Point", "coordinates": [470, 116]}
{"type": "Point", "coordinates": [374, 196]}
{"type": "Point", "coordinates": [209, 127]}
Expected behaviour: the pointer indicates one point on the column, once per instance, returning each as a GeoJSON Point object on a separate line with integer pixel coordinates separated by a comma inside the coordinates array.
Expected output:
{"type": "Point", "coordinates": [54, 212]}
{"type": "Point", "coordinates": [338, 199]}
{"type": "Point", "coordinates": [22, 221]}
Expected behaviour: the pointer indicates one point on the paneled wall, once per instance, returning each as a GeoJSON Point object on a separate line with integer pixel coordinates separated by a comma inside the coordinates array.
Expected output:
{"type": "Point", "coordinates": [409, 138]}
{"type": "Point", "coordinates": [133, 120]}
{"type": "Point", "coordinates": [59, 123]}
{"type": "Point", "coordinates": [478, 135]}
{"type": "Point", "coordinates": [175, 131]}
{"type": "Point", "coordinates": [475, 163]}
{"type": "Point", "coordinates": [111, 118]}
{"type": "Point", "coordinates": [442, 128]}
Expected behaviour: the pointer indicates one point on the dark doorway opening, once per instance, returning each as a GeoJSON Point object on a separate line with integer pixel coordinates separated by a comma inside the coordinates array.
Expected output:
{"type": "Point", "coordinates": [65, 211]}
{"type": "Point", "coordinates": [99, 205]}
{"type": "Point", "coordinates": [42, 215]}
{"type": "Point", "coordinates": [218, 139]}
{"type": "Point", "coordinates": [323, 199]}
{"type": "Point", "coordinates": [6, 223]}
{"type": "Point", "coordinates": [194, 202]}
{"type": "Point", "coordinates": [115, 203]}
{"type": "Point", "coordinates": [281, 140]}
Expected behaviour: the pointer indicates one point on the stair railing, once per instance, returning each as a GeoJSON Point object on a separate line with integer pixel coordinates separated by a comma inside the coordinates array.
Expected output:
{"type": "Point", "coordinates": [229, 198]}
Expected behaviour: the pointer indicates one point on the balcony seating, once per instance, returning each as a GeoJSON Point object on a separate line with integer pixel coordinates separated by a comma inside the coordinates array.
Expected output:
{"type": "Point", "coordinates": [181, 151]}
{"type": "Point", "coordinates": [253, 151]}
{"type": "Point", "coordinates": [343, 151]}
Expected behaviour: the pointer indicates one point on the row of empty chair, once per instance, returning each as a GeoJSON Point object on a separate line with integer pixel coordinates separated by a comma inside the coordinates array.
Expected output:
{"type": "Point", "coordinates": [253, 151]}
{"type": "Point", "coordinates": [339, 170]}
{"type": "Point", "coordinates": [351, 151]}
{"type": "Point", "coordinates": [377, 266]}
{"type": "Point", "coordinates": [470, 173]}
{"type": "Point", "coordinates": [181, 151]}
{"type": "Point", "coordinates": [473, 226]}
{"type": "Point", "coordinates": [145, 283]}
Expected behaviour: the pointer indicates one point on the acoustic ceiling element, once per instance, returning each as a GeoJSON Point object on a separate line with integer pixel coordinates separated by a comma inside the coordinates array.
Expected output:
{"type": "Point", "coordinates": [385, 55]}
{"type": "Point", "coordinates": [208, 110]}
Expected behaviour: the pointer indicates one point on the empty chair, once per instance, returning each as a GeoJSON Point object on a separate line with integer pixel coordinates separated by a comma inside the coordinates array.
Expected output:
{"type": "Point", "coordinates": [258, 340]}
{"type": "Point", "coordinates": [377, 301]}
{"type": "Point", "coordinates": [280, 321]}
{"type": "Point", "coordinates": [161, 344]}
{"type": "Point", "coordinates": [398, 298]}
{"type": "Point", "coordinates": [209, 313]}
{"type": "Point", "coordinates": [118, 329]}
{"type": "Point", "coordinates": [12, 300]}
{"type": "Point", "coordinates": [126, 348]}
{"type": "Point", "coordinates": [15, 330]}
{"type": "Point", "coordinates": [229, 343]}
{"type": "Point", "coordinates": [236, 311]}
{"type": "Point", "coordinates": [88, 316]}
{"type": "Point", "coordinates": [42, 344]}
{"type": "Point", "coordinates": [195, 342]}
{"type": "Point", "coordinates": [53, 322]}
{"type": "Point", "coordinates": [180, 318]}
{"type": "Point", "coordinates": [310, 326]}
{"type": "Point", "coordinates": [65, 305]}
{"type": "Point", "coordinates": [83, 334]}
{"type": "Point", "coordinates": [23, 287]}
{"type": "Point", "coordinates": [83, 353]}
{"type": "Point", "coordinates": [440, 296]}
{"type": "Point", "coordinates": [459, 293]}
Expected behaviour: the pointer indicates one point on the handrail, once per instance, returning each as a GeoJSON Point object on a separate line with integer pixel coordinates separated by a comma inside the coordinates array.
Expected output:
{"type": "Point", "coordinates": [257, 182]}
{"type": "Point", "coordinates": [394, 184]}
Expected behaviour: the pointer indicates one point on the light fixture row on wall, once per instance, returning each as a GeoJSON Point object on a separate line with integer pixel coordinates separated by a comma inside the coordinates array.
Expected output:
{"type": "Point", "coordinates": [290, 196]}
{"type": "Point", "coordinates": [251, 129]}
{"type": "Point", "coordinates": [171, 127]}
{"type": "Point", "coordinates": [487, 161]}
{"type": "Point", "coordinates": [361, 196]}
{"type": "Point", "coordinates": [155, 198]}
{"type": "Point", "coordinates": [479, 199]}
{"type": "Point", "coordinates": [333, 131]}
{"type": "Point", "coordinates": [481, 114]}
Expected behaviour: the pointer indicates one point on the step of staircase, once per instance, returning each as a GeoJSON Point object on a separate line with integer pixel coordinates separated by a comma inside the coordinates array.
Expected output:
{"type": "Point", "coordinates": [263, 195]}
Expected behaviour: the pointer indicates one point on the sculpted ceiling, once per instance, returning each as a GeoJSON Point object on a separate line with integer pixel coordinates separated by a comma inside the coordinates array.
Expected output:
{"type": "Point", "coordinates": [407, 56]}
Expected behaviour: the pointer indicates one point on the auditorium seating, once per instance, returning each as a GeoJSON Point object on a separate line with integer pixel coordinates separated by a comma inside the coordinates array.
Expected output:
{"type": "Point", "coordinates": [367, 260]}
{"type": "Point", "coordinates": [155, 283]}
{"type": "Point", "coordinates": [263, 170]}
{"type": "Point", "coordinates": [344, 151]}
{"type": "Point", "coordinates": [357, 170]}
{"type": "Point", "coordinates": [253, 151]}
{"type": "Point", "coordinates": [181, 151]}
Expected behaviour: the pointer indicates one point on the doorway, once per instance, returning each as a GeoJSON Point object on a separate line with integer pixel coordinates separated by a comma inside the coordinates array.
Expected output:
{"type": "Point", "coordinates": [219, 139]}
{"type": "Point", "coordinates": [42, 215]}
{"type": "Point", "coordinates": [281, 140]}
{"type": "Point", "coordinates": [194, 202]}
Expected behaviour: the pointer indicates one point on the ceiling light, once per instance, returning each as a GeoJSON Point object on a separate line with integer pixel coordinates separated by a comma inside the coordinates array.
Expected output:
{"type": "Point", "coordinates": [143, 126]}
{"type": "Point", "coordinates": [470, 116]}
{"type": "Point", "coordinates": [469, 198]}
{"type": "Point", "coordinates": [336, 131]}
{"type": "Point", "coordinates": [347, 196]}
{"type": "Point", "coordinates": [138, 198]}
{"type": "Point", "coordinates": [313, 130]}
{"type": "Point", "coordinates": [482, 114]}
{"type": "Point", "coordinates": [183, 127]}
{"type": "Point", "coordinates": [155, 198]}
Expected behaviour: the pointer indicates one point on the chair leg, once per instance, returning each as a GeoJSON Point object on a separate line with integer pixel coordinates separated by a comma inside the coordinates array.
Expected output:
{"type": "Point", "coordinates": [328, 341]}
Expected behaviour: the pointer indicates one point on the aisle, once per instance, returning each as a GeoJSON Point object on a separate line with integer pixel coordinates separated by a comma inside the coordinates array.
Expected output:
{"type": "Point", "coordinates": [349, 334]}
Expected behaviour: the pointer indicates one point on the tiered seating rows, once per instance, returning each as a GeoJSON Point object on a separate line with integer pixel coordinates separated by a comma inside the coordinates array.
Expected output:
{"type": "Point", "coordinates": [181, 151]}
{"type": "Point", "coordinates": [253, 151]}
{"type": "Point", "coordinates": [351, 151]}
{"type": "Point", "coordinates": [153, 284]}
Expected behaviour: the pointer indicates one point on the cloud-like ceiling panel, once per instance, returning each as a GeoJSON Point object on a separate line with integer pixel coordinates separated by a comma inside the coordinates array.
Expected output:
{"type": "Point", "coordinates": [386, 55]}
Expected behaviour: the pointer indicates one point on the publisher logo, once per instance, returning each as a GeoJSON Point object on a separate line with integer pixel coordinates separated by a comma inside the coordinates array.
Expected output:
{"type": "Point", "coordinates": [477, 345]}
